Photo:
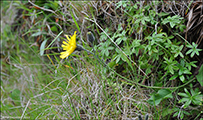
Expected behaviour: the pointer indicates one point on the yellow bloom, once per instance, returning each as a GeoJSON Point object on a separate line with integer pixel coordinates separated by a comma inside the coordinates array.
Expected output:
{"type": "Point", "coordinates": [69, 46]}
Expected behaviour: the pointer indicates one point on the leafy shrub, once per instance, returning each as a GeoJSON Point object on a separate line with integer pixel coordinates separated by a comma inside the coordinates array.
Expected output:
{"type": "Point", "coordinates": [163, 56]}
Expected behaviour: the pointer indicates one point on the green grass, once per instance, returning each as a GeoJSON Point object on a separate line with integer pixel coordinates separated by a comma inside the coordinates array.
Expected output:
{"type": "Point", "coordinates": [32, 87]}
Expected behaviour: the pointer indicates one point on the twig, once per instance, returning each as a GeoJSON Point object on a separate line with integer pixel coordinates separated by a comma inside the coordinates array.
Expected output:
{"type": "Point", "coordinates": [25, 109]}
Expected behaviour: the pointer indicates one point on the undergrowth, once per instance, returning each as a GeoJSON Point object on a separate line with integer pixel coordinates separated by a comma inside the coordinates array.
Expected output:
{"type": "Point", "coordinates": [144, 64]}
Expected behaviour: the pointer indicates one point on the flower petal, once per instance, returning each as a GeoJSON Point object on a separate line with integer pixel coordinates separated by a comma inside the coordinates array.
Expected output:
{"type": "Point", "coordinates": [69, 46]}
{"type": "Point", "coordinates": [67, 37]}
{"type": "Point", "coordinates": [73, 39]}
{"type": "Point", "coordinates": [65, 43]}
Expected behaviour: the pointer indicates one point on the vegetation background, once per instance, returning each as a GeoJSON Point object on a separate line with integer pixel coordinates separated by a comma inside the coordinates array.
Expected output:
{"type": "Point", "coordinates": [147, 61]}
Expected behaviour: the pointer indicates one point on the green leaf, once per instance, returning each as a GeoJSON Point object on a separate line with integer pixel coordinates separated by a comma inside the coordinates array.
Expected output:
{"type": "Point", "coordinates": [54, 29]}
{"type": "Point", "coordinates": [186, 71]}
{"type": "Point", "coordinates": [191, 64]}
{"type": "Point", "coordinates": [112, 64]}
{"type": "Point", "coordinates": [119, 40]}
{"type": "Point", "coordinates": [75, 21]}
{"type": "Point", "coordinates": [183, 100]}
{"type": "Point", "coordinates": [118, 59]}
{"type": "Point", "coordinates": [136, 43]}
{"type": "Point", "coordinates": [187, 103]}
{"type": "Point", "coordinates": [186, 91]}
{"type": "Point", "coordinates": [200, 76]}
{"type": "Point", "coordinates": [171, 69]}
{"type": "Point", "coordinates": [182, 28]}
{"type": "Point", "coordinates": [36, 34]}
{"type": "Point", "coordinates": [182, 78]}
{"type": "Point", "coordinates": [106, 52]}
{"type": "Point", "coordinates": [174, 77]}
{"type": "Point", "coordinates": [174, 115]}
{"type": "Point", "coordinates": [103, 35]}
{"type": "Point", "coordinates": [15, 95]}
{"type": "Point", "coordinates": [55, 39]}
{"type": "Point", "coordinates": [162, 14]}
{"type": "Point", "coordinates": [197, 102]}
{"type": "Point", "coordinates": [162, 94]}
{"type": "Point", "coordinates": [123, 57]}
{"type": "Point", "coordinates": [192, 54]}
{"type": "Point", "coordinates": [42, 47]}
{"type": "Point", "coordinates": [183, 94]}
{"type": "Point", "coordinates": [119, 27]}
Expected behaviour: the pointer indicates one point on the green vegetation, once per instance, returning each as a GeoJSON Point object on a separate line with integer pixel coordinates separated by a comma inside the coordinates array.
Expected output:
{"type": "Point", "coordinates": [145, 61]}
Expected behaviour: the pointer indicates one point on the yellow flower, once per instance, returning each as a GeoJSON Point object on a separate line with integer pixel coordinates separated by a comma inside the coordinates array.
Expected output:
{"type": "Point", "coordinates": [69, 46]}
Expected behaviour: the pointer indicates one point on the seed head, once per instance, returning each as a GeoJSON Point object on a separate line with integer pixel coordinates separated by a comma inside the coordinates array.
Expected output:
{"type": "Point", "coordinates": [90, 37]}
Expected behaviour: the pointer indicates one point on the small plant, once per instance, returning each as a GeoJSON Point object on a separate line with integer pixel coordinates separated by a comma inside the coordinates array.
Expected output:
{"type": "Point", "coordinates": [193, 49]}
{"type": "Point", "coordinates": [175, 20]}
{"type": "Point", "coordinates": [179, 113]}
{"type": "Point", "coordinates": [162, 94]}
{"type": "Point", "coordinates": [183, 68]}
{"type": "Point", "coordinates": [194, 97]}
